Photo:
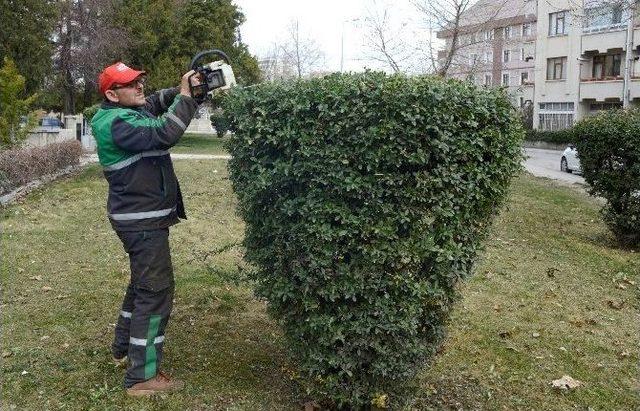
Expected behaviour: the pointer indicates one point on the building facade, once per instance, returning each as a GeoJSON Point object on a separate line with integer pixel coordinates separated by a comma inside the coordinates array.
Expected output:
{"type": "Point", "coordinates": [584, 66]}
{"type": "Point", "coordinates": [495, 46]}
{"type": "Point", "coordinates": [572, 61]}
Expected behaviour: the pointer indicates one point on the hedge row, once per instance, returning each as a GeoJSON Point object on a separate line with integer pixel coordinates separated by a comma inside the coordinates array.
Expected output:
{"type": "Point", "coordinates": [609, 150]}
{"type": "Point", "coordinates": [366, 198]}
{"type": "Point", "coordinates": [24, 165]}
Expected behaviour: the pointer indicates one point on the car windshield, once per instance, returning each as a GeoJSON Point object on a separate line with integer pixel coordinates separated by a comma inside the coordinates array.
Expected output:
{"type": "Point", "coordinates": [50, 122]}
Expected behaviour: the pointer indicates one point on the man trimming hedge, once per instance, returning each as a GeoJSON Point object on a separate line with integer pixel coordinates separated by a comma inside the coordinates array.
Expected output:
{"type": "Point", "coordinates": [133, 134]}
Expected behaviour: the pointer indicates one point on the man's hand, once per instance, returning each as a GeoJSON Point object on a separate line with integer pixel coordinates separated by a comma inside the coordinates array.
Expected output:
{"type": "Point", "coordinates": [185, 90]}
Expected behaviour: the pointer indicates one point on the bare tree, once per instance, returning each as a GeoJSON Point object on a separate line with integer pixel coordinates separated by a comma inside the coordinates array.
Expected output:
{"type": "Point", "coordinates": [100, 43]}
{"type": "Point", "coordinates": [386, 43]}
{"type": "Point", "coordinates": [301, 53]}
{"type": "Point", "coordinates": [274, 67]}
{"type": "Point", "coordinates": [84, 42]}
{"type": "Point", "coordinates": [451, 20]}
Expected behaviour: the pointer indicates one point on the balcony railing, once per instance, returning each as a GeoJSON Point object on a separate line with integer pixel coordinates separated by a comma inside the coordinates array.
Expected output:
{"type": "Point", "coordinates": [607, 78]}
{"type": "Point", "coordinates": [602, 29]}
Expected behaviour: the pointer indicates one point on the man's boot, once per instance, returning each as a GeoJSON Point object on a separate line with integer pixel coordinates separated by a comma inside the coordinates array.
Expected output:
{"type": "Point", "coordinates": [159, 384]}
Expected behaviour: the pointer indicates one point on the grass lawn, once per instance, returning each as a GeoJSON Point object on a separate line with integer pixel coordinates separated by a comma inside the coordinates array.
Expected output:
{"type": "Point", "coordinates": [200, 144]}
{"type": "Point", "coordinates": [551, 297]}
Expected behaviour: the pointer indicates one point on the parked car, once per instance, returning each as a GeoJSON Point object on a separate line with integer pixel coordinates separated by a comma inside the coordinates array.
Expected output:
{"type": "Point", "coordinates": [569, 163]}
{"type": "Point", "coordinates": [51, 122]}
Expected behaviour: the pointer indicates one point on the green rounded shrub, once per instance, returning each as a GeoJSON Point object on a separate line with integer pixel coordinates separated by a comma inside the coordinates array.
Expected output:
{"type": "Point", "coordinates": [609, 151]}
{"type": "Point", "coordinates": [366, 198]}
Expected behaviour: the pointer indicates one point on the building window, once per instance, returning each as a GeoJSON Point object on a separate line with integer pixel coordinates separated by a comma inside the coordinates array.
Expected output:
{"type": "Point", "coordinates": [524, 77]}
{"type": "Point", "coordinates": [507, 32]}
{"type": "Point", "coordinates": [556, 68]}
{"type": "Point", "coordinates": [555, 116]}
{"type": "Point", "coordinates": [606, 66]}
{"type": "Point", "coordinates": [558, 23]}
{"type": "Point", "coordinates": [488, 57]}
{"type": "Point", "coordinates": [522, 58]}
{"type": "Point", "coordinates": [487, 80]}
{"type": "Point", "coordinates": [526, 29]}
{"type": "Point", "coordinates": [488, 35]}
{"type": "Point", "coordinates": [506, 56]}
{"type": "Point", "coordinates": [604, 17]}
{"type": "Point", "coordinates": [473, 59]}
{"type": "Point", "coordinates": [505, 79]}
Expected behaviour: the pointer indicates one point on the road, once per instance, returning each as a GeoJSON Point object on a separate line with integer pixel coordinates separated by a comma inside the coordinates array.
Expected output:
{"type": "Point", "coordinates": [539, 162]}
{"type": "Point", "coordinates": [546, 163]}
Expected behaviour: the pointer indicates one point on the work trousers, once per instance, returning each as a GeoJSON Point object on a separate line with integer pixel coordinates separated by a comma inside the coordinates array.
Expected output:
{"type": "Point", "coordinates": [147, 303]}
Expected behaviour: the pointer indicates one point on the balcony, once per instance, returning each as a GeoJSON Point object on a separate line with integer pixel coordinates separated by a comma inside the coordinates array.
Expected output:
{"type": "Point", "coordinates": [601, 41]}
{"type": "Point", "coordinates": [601, 90]}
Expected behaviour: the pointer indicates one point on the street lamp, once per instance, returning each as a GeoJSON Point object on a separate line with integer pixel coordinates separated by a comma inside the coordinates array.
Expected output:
{"type": "Point", "coordinates": [342, 41]}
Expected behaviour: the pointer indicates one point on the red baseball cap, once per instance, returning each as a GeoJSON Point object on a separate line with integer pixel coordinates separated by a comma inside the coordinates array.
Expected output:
{"type": "Point", "coordinates": [118, 73]}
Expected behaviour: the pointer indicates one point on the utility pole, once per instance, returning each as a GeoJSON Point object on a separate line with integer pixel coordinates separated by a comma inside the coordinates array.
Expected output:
{"type": "Point", "coordinates": [628, 54]}
{"type": "Point", "coordinates": [342, 48]}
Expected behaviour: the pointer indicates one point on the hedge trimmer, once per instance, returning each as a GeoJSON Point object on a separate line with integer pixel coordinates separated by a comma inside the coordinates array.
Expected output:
{"type": "Point", "coordinates": [217, 75]}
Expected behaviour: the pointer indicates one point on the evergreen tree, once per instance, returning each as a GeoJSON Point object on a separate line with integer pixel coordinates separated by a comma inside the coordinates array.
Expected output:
{"type": "Point", "coordinates": [13, 106]}
{"type": "Point", "coordinates": [25, 37]}
{"type": "Point", "coordinates": [166, 34]}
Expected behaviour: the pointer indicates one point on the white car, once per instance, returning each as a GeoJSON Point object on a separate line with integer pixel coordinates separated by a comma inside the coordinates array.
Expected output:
{"type": "Point", "coordinates": [569, 162]}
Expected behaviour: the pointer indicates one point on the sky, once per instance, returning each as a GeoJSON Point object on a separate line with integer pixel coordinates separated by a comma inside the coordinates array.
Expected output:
{"type": "Point", "coordinates": [327, 22]}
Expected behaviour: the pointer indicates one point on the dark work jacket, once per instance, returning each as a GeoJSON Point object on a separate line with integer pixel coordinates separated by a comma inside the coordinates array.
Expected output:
{"type": "Point", "coordinates": [133, 143]}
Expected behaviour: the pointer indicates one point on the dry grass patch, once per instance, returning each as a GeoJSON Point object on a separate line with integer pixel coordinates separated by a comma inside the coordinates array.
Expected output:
{"type": "Point", "coordinates": [551, 297]}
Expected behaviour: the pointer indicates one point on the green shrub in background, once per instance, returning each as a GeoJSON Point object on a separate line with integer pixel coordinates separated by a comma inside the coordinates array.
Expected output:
{"type": "Point", "coordinates": [221, 122]}
{"type": "Point", "coordinates": [90, 111]}
{"type": "Point", "coordinates": [366, 198]}
{"type": "Point", "coordinates": [557, 137]}
{"type": "Point", "coordinates": [15, 118]}
{"type": "Point", "coordinates": [609, 150]}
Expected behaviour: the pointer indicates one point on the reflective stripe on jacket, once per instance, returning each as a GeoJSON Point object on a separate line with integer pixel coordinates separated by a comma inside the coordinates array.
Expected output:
{"type": "Point", "coordinates": [132, 144]}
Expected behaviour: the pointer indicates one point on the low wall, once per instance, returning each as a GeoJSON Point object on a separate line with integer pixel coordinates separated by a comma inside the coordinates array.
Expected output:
{"type": "Point", "coordinates": [200, 125]}
{"type": "Point", "coordinates": [41, 138]}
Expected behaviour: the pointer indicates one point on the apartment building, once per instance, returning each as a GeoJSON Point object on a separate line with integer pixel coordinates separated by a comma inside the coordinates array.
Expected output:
{"type": "Point", "coordinates": [495, 46]}
{"type": "Point", "coordinates": [567, 57]}
{"type": "Point", "coordinates": [583, 60]}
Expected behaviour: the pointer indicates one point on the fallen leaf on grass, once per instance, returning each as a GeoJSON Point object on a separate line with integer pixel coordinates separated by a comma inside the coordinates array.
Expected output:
{"type": "Point", "coordinates": [311, 406]}
{"type": "Point", "coordinates": [566, 383]}
{"type": "Point", "coordinates": [616, 305]}
{"type": "Point", "coordinates": [44, 337]}
{"type": "Point", "coordinates": [45, 288]}
{"type": "Point", "coordinates": [535, 335]}
{"type": "Point", "coordinates": [24, 372]}
{"type": "Point", "coordinates": [624, 354]}
{"type": "Point", "coordinates": [6, 354]}
{"type": "Point", "coordinates": [551, 272]}
{"type": "Point", "coordinates": [579, 322]}
{"type": "Point", "coordinates": [36, 278]}
{"type": "Point", "coordinates": [504, 334]}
